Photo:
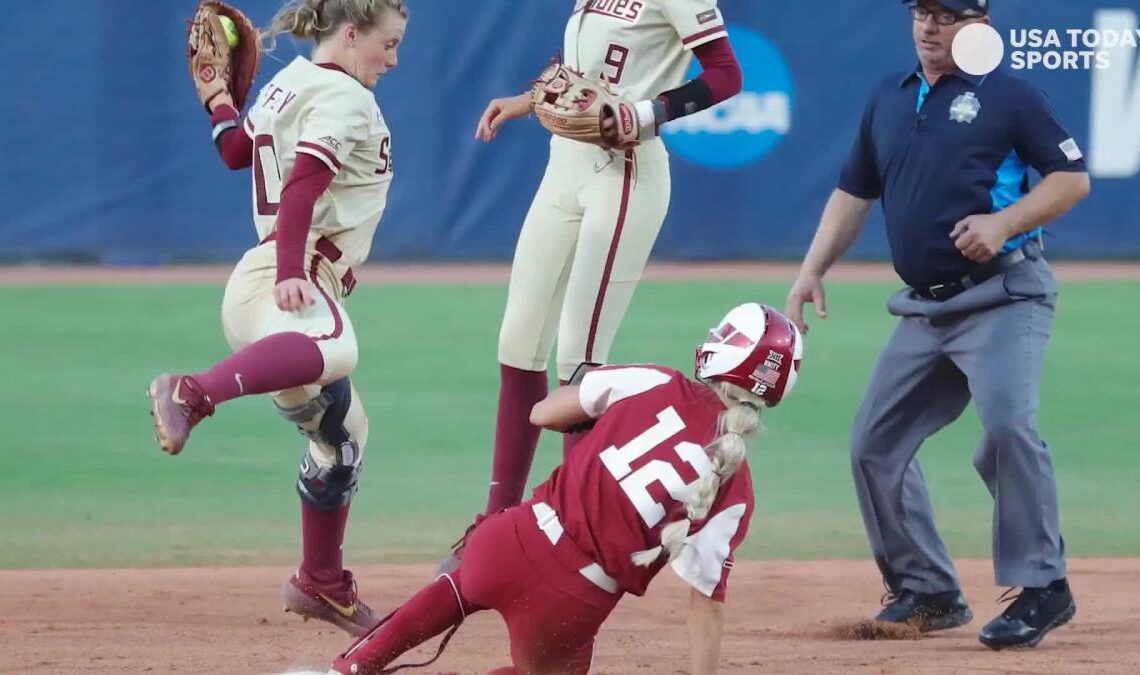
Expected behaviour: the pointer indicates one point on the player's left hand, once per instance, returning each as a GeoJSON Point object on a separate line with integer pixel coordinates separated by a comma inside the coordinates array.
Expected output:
{"type": "Point", "coordinates": [980, 237]}
{"type": "Point", "coordinates": [216, 67]}
{"type": "Point", "coordinates": [293, 295]}
{"type": "Point", "coordinates": [575, 107]}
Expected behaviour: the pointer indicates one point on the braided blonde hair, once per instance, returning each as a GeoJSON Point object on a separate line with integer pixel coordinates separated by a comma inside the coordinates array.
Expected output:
{"type": "Point", "coordinates": [738, 423]}
{"type": "Point", "coordinates": [317, 19]}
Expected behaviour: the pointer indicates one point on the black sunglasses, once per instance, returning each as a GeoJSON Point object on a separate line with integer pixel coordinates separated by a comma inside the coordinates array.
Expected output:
{"type": "Point", "coordinates": [942, 17]}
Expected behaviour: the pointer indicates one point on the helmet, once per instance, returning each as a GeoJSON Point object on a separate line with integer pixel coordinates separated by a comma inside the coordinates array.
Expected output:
{"type": "Point", "coordinates": [756, 348]}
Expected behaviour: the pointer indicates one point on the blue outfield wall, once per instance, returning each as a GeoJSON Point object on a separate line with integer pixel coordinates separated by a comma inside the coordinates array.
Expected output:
{"type": "Point", "coordinates": [108, 156]}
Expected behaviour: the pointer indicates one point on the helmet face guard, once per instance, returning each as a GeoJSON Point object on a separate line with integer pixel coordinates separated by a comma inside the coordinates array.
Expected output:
{"type": "Point", "coordinates": [756, 348]}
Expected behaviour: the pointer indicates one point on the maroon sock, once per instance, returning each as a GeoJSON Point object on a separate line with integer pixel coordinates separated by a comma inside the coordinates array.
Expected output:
{"type": "Point", "coordinates": [427, 614]}
{"type": "Point", "coordinates": [322, 542]}
{"type": "Point", "coordinates": [280, 361]}
{"type": "Point", "coordinates": [515, 437]}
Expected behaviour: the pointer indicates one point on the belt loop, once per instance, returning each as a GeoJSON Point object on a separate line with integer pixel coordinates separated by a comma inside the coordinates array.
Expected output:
{"type": "Point", "coordinates": [547, 521]}
{"type": "Point", "coordinates": [599, 578]}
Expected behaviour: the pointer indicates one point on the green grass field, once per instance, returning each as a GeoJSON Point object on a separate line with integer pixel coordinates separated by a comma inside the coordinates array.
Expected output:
{"type": "Point", "coordinates": [83, 484]}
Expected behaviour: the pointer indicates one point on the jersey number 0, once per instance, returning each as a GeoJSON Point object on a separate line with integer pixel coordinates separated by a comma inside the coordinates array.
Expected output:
{"type": "Point", "coordinates": [266, 175]}
{"type": "Point", "coordinates": [635, 484]}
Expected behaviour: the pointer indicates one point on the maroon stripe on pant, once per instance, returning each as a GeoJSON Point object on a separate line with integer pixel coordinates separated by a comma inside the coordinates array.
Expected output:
{"type": "Point", "coordinates": [626, 186]}
{"type": "Point", "coordinates": [338, 323]}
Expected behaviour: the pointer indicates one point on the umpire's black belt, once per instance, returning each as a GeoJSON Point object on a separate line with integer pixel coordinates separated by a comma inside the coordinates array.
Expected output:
{"type": "Point", "coordinates": [998, 265]}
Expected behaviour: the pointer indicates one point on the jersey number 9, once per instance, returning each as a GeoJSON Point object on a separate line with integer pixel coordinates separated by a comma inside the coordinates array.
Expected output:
{"type": "Point", "coordinates": [616, 57]}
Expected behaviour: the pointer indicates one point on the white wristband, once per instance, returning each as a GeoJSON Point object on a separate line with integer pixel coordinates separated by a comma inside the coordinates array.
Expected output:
{"type": "Point", "coordinates": [220, 127]}
{"type": "Point", "coordinates": [646, 120]}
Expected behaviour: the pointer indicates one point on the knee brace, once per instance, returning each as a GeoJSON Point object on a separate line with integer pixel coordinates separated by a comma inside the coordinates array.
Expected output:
{"type": "Point", "coordinates": [323, 483]}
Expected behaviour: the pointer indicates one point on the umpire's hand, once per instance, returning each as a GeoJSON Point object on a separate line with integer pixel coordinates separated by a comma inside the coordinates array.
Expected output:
{"type": "Point", "coordinates": [808, 288]}
{"type": "Point", "coordinates": [981, 237]}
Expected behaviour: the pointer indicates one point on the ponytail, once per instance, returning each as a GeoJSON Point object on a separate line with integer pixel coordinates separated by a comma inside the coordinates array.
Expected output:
{"type": "Point", "coordinates": [299, 18]}
{"type": "Point", "coordinates": [316, 19]}
{"type": "Point", "coordinates": [736, 425]}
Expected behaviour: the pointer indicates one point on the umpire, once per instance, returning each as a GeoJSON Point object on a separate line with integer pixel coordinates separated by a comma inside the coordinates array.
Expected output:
{"type": "Point", "coordinates": [947, 153]}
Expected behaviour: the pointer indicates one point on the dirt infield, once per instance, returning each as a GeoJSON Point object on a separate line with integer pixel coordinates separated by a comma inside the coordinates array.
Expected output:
{"type": "Point", "coordinates": [35, 275]}
{"type": "Point", "coordinates": [783, 618]}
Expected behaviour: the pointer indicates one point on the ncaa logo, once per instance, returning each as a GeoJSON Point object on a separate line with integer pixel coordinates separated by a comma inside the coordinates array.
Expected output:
{"type": "Point", "coordinates": [746, 127]}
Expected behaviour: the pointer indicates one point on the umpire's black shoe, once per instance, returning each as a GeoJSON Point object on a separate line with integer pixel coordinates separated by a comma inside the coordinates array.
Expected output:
{"type": "Point", "coordinates": [926, 611]}
{"type": "Point", "coordinates": [1033, 613]}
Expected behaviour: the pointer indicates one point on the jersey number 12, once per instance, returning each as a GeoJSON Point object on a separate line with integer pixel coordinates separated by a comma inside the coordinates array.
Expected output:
{"type": "Point", "coordinates": [636, 484]}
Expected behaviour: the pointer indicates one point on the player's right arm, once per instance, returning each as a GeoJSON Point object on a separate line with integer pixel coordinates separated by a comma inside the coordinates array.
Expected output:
{"type": "Point", "coordinates": [500, 111]}
{"type": "Point", "coordinates": [569, 406]}
{"type": "Point", "coordinates": [309, 179]}
{"type": "Point", "coordinates": [706, 626]}
{"type": "Point", "coordinates": [561, 410]}
{"type": "Point", "coordinates": [337, 122]}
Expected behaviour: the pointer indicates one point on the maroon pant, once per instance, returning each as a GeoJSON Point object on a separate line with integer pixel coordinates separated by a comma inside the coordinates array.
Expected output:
{"type": "Point", "coordinates": [552, 613]}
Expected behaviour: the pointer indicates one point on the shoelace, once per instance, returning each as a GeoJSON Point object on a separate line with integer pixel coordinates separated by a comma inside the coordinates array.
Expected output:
{"type": "Point", "coordinates": [458, 546]}
{"type": "Point", "coordinates": [890, 595]}
{"type": "Point", "coordinates": [1021, 602]}
{"type": "Point", "coordinates": [353, 598]}
{"type": "Point", "coordinates": [199, 404]}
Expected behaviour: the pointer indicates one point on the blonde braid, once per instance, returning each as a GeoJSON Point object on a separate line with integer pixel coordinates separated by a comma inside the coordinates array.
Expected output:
{"type": "Point", "coordinates": [736, 425]}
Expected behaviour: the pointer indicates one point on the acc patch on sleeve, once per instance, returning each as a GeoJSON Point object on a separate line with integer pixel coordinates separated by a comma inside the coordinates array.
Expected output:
{"type": "Point", "coordinates": [706, 16]}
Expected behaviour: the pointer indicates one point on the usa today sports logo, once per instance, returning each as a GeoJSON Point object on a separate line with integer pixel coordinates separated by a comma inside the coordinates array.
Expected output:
{"type": "Point", "coordinates": [979, 49]}
{"type": "Point", "coordinates": [746, 127]}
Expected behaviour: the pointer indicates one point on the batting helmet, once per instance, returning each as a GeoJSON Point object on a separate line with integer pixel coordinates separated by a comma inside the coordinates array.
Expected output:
{"type": "Point", "coordinates": [756, 348]}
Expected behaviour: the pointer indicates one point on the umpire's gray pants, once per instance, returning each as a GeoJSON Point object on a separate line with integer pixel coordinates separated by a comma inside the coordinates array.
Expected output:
{"type": "Point", "coordinates": [987, 343]}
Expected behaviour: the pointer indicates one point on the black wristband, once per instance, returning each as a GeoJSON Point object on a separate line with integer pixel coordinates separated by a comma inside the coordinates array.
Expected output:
{"type": "Point", "coordinates": [693, 96]}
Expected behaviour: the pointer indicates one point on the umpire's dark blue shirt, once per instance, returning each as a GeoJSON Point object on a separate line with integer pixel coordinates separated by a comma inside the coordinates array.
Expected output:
{"type": "Point", "coordinates": [938, 154]}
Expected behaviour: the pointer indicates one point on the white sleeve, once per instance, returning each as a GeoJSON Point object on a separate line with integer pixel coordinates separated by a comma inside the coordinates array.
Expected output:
{"type": "Point", "coordinates": [337, 121]}
{"type": "Point", "coordinates": [706, 558]}
{"type": "Point", "coordinates": [696, 21]}
{"type": "Point", "coordinates": [604, 387]}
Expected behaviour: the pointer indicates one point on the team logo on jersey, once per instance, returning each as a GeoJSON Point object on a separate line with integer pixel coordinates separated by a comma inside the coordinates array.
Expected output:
{"type": "Point", "coordinates": [706, 16]}
{"type": "Point", "coordinates": [965, 108]}
{"type": "Point", "coordinates": [331, 142]}
{"type": "Point", "coordinates": [626, 10]}
{"type": "Point", "coordinates": [745, 128]}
